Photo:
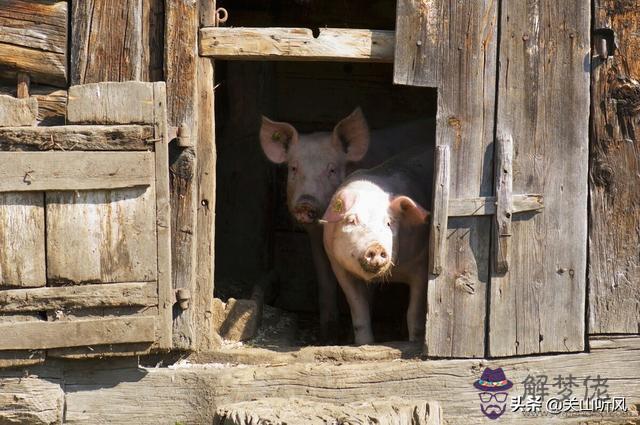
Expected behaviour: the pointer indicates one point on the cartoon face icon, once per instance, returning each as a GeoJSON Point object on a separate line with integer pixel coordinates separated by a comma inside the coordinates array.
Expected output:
{"type": "Point", "coordinates": [493, 386]}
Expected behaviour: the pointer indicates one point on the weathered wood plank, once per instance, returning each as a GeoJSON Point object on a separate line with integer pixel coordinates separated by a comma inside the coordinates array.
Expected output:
{"type": "Point", "coordinates": [106, 41]}
{"type": "Point", "coordinates": [391, 410]}
{"type": "Point", "coordinates": [181, 51]}
{"type": "Point", "coordinates": [22, 240]}
{"type": "Point", "coordinates": [332, 44]}
{"type": "Point", "coordinates": [193, 392]}
{"type": "Point", "coordinates": [101, 351]}
{"type": "Point", "coordinates": [163, 219]}
{"type": "Point", "coordinates": [33, 39]}
{"type": "Point", "coordinates": [486, 205]}
{"type": "Point", "coordinates": [152, 40]}
{"type": "Point", "coordinates": [52, 102]}
{"type": "Point", "coordinates": [539, 305]}
{"type": "Point", "coordinates": [18, 112]}
{"type": "Point", "coordinates": [129, 102]}
{"type": "Point", "coordinates": [614, 174]}
{"type": "Point", "coordinates": [39, 171]}
{"type": "Point", "coordinates": [465, 118]}
{"type": "Point", "coordinates": [101, 236]}
{"type": "Point", "coordinates": [20, 358]}
{"type": "Point", "coordinates": [68, 297]}
{"type": "Point", "coordinates": [74, 333]}
{"type": "Point", "coordinates": [439, 213]}
{"type": "Point", "coordinates": [504, 203]}
{"type": "Point", "coordinates": [31, 400]}
{"type": "Point", "coordinates": [417, 48]}
{"type": "Point", "coordinates": [78, 138]}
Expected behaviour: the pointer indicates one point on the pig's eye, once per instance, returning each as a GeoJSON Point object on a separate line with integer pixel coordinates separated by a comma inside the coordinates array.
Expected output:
{"type": "Point", "coordinates": [293, 169]}
{"type": "Point", "coordinates": [331, 169]}
{"type": "Point", "coordinates": [351, 219]}
{"type": "Point", "coordinates": [388, 223]}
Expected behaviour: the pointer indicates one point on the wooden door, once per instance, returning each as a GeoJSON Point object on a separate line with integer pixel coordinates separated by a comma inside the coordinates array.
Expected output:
{"type": "Point", "coordinates": [508, 251]}
{"type": "Point", "coordinates": [84, 228]}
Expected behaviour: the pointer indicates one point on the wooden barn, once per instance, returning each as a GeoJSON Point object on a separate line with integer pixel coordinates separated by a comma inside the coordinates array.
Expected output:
{"type": "Point", "coordinates": [150, 271]}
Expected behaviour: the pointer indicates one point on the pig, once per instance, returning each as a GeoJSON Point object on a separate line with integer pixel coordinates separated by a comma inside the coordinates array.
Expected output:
{"type": "Point", "coordinates": [376, 229]}
{"type": "Point", "coordinates": [317, 164]}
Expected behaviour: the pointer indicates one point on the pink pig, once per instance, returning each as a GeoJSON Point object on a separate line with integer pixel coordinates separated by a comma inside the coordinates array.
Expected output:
{"type": "Point", "coordinates": [317, 164]}
{"type": "Point", "coordinates": [375, 229]}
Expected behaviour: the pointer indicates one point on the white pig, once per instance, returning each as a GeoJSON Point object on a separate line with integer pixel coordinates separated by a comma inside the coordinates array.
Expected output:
{"type": "Point", "coordinates": [376, 230]}
{"type": "Point", "coordinates": [317, 164]}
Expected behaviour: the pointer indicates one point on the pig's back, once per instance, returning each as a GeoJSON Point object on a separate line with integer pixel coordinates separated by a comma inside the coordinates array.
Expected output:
{"type": "Point", "coordinates": [409, 173]}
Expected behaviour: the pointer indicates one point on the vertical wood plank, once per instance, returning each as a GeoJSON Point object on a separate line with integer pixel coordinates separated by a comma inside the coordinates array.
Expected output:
{"type": "Point", "coordinates": [202, 299]}
{"type": "Point", "coordinates": [504, 202]}
{"type": "Point", "coordinates": [181, 30]}
{"type": "Point", "coordinates": [543, 102]}
{"type": "Point", "coordinates": [152, 40]}
{"type": "Point", "coordinates": [164, 325]}
{"type": "Point", "coordinates": [106, 41]}
{"type": "Point", "coordinates": [466, 99]}
{"type": "Point", "coordinates": [22, 240]}
{"type": "Point", "coordinates": [440, 211]}
{"type": "Point", "coordinates": [614, 174]}
{"type": "Point", "coordinates": [101, 236]}
{"type": "Point", "coordinates": [417, 49]}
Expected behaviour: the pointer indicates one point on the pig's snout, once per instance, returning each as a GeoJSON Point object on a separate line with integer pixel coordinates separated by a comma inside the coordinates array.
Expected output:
{"type": "Point", "coordinates": [305, 211]}
{"type": "Point", "coordinates": [375, 259]}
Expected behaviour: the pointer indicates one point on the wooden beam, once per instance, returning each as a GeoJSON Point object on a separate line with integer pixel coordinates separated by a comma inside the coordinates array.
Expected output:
{"type": "Point", "coordinates": [42, 171]}
{"type": "Point", "coordinates": [77, 138]}
{"type": "Point", "coordinates": [52, 102]}
{"type": "Point", "coordinates": [486, 205]}
{"type": "Point", "coordinates": [18, 112]}
{"type": "Point", "coordinates": [181, 74]}
{"type": "Point", "coordinates": [74, 333]}
{"type": "Point", "coordinates": [504, 203]}
{"type": "Point", "coordinates": [614, 173]}
{"type": "Point", "coordinates": [332, 44]}
{"type": "Point", "coordinates": [439, 214]}
{"type": "Point", "coordinates": [66, 297]}
{"type": "Point", "coordinates": [33, 40]}
{"type": "Point", "coordinates": [129, 102]}
{"type": "Point", "coordinates": [417, 46]}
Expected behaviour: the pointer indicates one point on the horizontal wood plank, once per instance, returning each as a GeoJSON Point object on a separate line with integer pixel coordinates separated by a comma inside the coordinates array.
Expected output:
{"type": "Point", "coordinates": [129, 102]}
{"type": "Point", "coordinates": [360, 45]}
{"type": "Point", "coordinates": [41, 171]}
{"type": "Point", "coordinates": [486, 205]}
{"type": "Point", "coordinates": [33, 39]}
{"type": "Point", "coordinates": [75, 333]}
{"type": "Point", "coordinates": [77, 138]}
{"type": "Point", "coordinates": [83, 296]}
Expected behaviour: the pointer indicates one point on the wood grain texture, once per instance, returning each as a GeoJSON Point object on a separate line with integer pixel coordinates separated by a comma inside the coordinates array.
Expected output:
{"type": "Point", "coordinates": [33, 40]}
{"type": "Point", "coordinates": [392, 410]}
{"type": "Point", "coordinates": [31, 400]}
{"type": "Point", "coordinates": [18, 112]}
{"type": "Point", "coordinates": [417, 49]}
{"type": "Point", "coordinates": [163, 219]}
{"type": "Point", "coordinates": [39, 171]}
{"type": "Point", "coordinates": [72, 297]}
{"type": "Point", "coordinates": [614, 175]}
{"type": "Point", "coordinates": [181, 32]}
{"type": "Point", "coordinates": [440, 210]}
{"type": "Point", "coordinates": [466, 101]}
{"type": "Point", "coordinates": [106, 41]}
{"type": "Point", "coordinates": [20, 358]}
{"type": "Point", "coordinates": [129, 102]}
{"type": "Point", "coordinates": [193, 392]}
{"type": "Point", "coordinates": [504, 203]}
{"type": "Point", "coordinates": [539, 305]}
{"type": "Point", "coordinates": [152, 40]}
{"type": "Point", "coordinates": [332, 44]}
{"type": "Point", "coordinates": [52, 102]}
{"type": "Point", "coordinates": [22, 240]}
{"type": "Point", "coordinates": [77, 138]}
{"type": "Point", "coordinates": [101, 236]}
{"type": "Point", "coordinates": [74, 333]}
{"type": "Point", "coordinates": [486, 205]}
{"type": "Point", "coordinates": [202, 297]}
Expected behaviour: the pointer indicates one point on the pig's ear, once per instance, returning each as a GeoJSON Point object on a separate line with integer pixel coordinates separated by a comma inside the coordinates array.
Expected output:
{"type": "Point", "coordinates": [408, 211]}
{"type": "Point", "coordinates": [276, 138]}
{"type": "Point", "coordinates": [339, 205]}
{"type": "Point", "coordinates": [352, 135]}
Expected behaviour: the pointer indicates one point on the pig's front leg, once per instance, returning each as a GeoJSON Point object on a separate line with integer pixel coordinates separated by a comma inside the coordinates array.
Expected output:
{"type": "Point", "coordinates": [357, 295]}
{"type": "Point", "coordinates": [416, 313]}
{"type": "Point", "coordinates": [327, 288]}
